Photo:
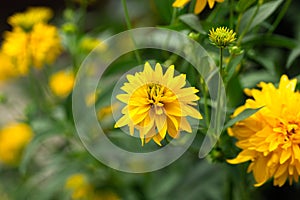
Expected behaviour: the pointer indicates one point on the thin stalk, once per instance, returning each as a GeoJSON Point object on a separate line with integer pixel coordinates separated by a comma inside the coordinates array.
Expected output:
{"type": "Point", "coordinates": [129, 27]}
{"type": "Point", "coordinates": [280, 16]}
{"type": "Point", "coordinates": [174, 14]}
{"type": "Point", "coordinates": [218, 109]}
{"type": "Point", "coordinates": [205, 96]}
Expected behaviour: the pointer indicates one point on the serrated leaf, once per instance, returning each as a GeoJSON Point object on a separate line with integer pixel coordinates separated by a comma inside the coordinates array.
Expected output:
{"type": "Point", "coordinates": [263, 13]}
{"type": "Point", "coordinates": [243, 115]}
{"type": "Point", "coordinates": [294, 54]}
{"type": "Point", "coordinates": [193, 22]}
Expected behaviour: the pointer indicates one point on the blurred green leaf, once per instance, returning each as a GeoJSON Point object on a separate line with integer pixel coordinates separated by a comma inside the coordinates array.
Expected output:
{"type": "Point", "coordinates": [242, 5]}
{"type": "Point", "coordinates": [293, 55]}
{"type": "Point", "coordinates": [233, 63]}
{"type": "Point", "coordinates": [243, 115]}
{"type": "Point", "coordinates": [193, 22]}
{"type": "Point", "coordinates": [263, 13]}
{"type": "Point", "coordinates": [250, 79]}
{"type": "Point", "coordinates": [271, 40]}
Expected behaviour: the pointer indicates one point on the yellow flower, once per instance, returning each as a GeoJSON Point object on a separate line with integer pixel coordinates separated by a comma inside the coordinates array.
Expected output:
{"type": "Point", "coordinates": [38, 47]}
{"type": "Point", "coordinates": [79, 186]}
{"type": "Point", "coordinates": [7, 70]}
{"type": "Point", "coordinates": [61, 83]}
{"type": "Point", "coordinates": [222, 37]}
{"type": "Point", "coordinates": [157, 103]}
{"type": "Point", "coordinates": [200, 4]}
{"type": "Point", "coordinates": [15, 46]}
{"type": "Point", "coordinates": [13, 139]}
{"type": "Point", "coordinates": [32, 16]}
{"type": "Point", "coordinates": [44, 44]}
{"type": "Point", "coordinates": [87, 44]}
{"type": "Point", "coordinates": [270, 138]}
{"type": "Point", "coordinates": [107, 111]}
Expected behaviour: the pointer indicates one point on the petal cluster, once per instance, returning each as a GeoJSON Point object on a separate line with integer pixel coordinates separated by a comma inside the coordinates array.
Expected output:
{"type": "Point", "coordinates": [200, 4]}
{"type": "Point", "coordinates": [270, 139]}
{"type": "Point", "coordinates": [157, 103]}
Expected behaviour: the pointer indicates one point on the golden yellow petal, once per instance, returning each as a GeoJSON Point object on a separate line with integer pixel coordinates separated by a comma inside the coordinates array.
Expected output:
{"type": "Point", "coordinates": [286, 84]}
{"type": "Point", "coordinates": [200, 5]}
{"type": "Point", "coordinates": [185, 125]}
{"type": "Point", "coordinates": [285, 155]}
{"type": "Point", "coordinates": [122, 121]}
{"type": "Point", "coordinates": [180, 3]}
{"type": "Point", "coordinates": [211, 3]}
{"type": "Point", "coordinates": [189, 110]}
{"type": "Point", "coordinates": [243, 156]}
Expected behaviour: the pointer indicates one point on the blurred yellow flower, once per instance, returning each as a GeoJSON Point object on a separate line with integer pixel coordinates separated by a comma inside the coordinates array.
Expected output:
{"type": "Point", "coordinates": [200, 4]}
{"type": "Point", "coordinates": [7, 69]}
{"type": "Point", "coordinates": [15, 46]}
{"type": "Point", "coordinates": [270, 138]}
{"type": "Point", "coordinates": [79, 187]}
{"type": "Point", "coordinates": [107, 111]}
{"type": "Point", "coordinates": [13, 139]}
{"type": "Point", "coordinates": [61, 83]}
{"type": "Point", "coordinates": [30, 17]}
{"type": "Point", "coordinates": [40, 46]}
{"type": "Point", "coordinates": [44, 45]}
{"type": "Point", "coordinates": [87, 44]}
{"type": "Point", "coordinates": [157, 103]}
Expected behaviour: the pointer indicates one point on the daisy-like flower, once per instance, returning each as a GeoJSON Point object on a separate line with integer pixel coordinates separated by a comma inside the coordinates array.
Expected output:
{"type": "Point", "coordinates": [157, 104]}
{"type": "Point", "coordinates": [270, 138]}
{"type": "Point", "coordinates": [200, 4]}
{"type": "Point", "coordinates": [222, 37]}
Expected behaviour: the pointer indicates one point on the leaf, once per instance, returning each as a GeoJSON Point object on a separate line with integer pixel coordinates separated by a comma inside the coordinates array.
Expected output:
{"type": "Point", "coordinates": [271, 40]}
{"type": "Point", "coordinates": [233, 63]}
{"type": "Point", "coordinates": [250, 79]}
{"type": "Point", "coordinates": [243, 115]}
{"type": "Point", "coordinates": [263, 13]}
{"type": "Point", "coordinates": [294, 54]}
{"type": "Point", "coordinates": [193, 22]}
{"type": "Point", "coordinates": [242, 5]}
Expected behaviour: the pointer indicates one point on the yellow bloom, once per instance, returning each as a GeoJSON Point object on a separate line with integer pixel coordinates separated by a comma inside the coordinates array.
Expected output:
{"type": "Point", "coordinates": [44, 44]}
{"type": "Point", "coordinates": [61, 83]}
{"type": "Point", "coordinates": [200, 4]}
{"type": "Point", "coordinates": [13, 138]}
{"type": "Point", "coordinates": [7, 70]}
{"type": "Point", "coordinates": [270, 138]}
{"type": "Point", "coordinates": [15, 46]}
{"type": "Point", "coordinates": [87, 44]}
{"type": "Point", "coordinates": [38, 47]}
{"type": "Point", "coordinates": [222, 37]}
{"type": "Point", "coordinates": [157, 103]}
{"type": "Point", "coordinates": [79, 186]}
{"type": "Point", "coordinates": [107, 111]}
{"type": "Point", "coordinates": [32, 16]}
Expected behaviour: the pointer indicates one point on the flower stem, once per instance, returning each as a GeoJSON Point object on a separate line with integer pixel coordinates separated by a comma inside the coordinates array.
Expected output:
{"type": "Point", "coordinates": [280, 16]}
{"type": "Point", "coordinates": [129, 27]}
{"type": "Point", "coordinates": [221, 62]}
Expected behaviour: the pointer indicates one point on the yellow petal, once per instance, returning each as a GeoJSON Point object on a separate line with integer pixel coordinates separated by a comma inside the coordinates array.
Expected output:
{"type": "Point", "coordinates": [199, 7]}
{"type": "Point", "coordinates": [180, 3]}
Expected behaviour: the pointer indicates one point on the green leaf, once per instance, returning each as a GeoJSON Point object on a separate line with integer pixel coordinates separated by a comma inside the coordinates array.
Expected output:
{"type": "Point", "coordinates": [233, 63]}
{"type": "Point", "coordinates": [271, 40]}
{"type": "Point", "coordinates": [193, 22]}
{"type": "Point", "coordinates": [294, 54]}
{"type": "Point", "coordinates": [243, 115]}
{"type": "Point", "coordinates": [263, 13]}
{"type": "Point", "coordinates": [242, 5]}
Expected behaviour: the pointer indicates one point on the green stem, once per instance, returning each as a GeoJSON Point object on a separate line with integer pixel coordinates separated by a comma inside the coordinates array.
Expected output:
{"type": "Point", "coordinates": [129, 26]}
{"type": "Point", "coordinates": [174, 14]}
{"type": "Point", "coordinates": [221, 62]}
{"type": "Point", "coordinates": [248, 25]}
{"type": "Point", "coordinates": [280, 16]}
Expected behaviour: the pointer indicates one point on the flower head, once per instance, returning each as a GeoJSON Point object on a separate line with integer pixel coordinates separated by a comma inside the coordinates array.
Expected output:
{"type": "Point", "coordinates": [61, 83]}
{"type": "Point", "coordinates": [32, 16]}
{"type": "Point", "coordinates": [79, 186]}
{"type": "Point", "coordinates": [200, 4]}
{"type": "Point", "coordinates": [157, 103]}
{"type": "Point", "coordinates": [270, 138]}
{"type": "Point", "coordinates": [222, 37]}
{"type": "Point", "coordinates": [13, 139]}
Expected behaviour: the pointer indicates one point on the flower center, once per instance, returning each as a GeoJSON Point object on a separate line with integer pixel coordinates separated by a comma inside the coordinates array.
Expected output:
{"type": "Point", "coordinates": [288, 130]}
{"type": "Point", "coordinates": [155, 94]}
